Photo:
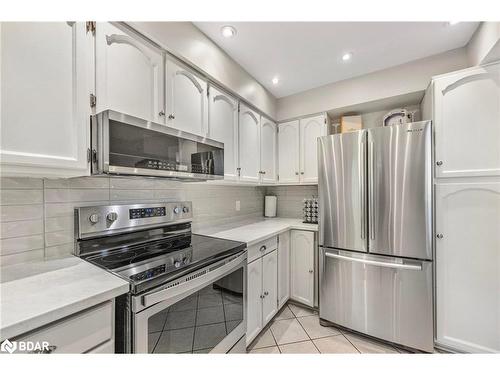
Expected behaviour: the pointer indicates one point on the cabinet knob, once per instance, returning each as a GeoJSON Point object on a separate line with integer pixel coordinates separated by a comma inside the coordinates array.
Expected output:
{"type": "Point", "coordinates": [439, 163]}
{"type": "Point", "coordinates": [161, 113]}
{"type": "Point", "coordinates": [301, 172]}
{"type": "Point", "coordinates": [266, 293]}
{"type": "Point", "coordinates": [262, 296]}
{"type": "Point", "coordinates": [296, 173]}
{"type": "Point", "coordinates": [311, 271]}
{"type": "Point", "coordinates": [439, 235]}
{"type": "Point", "coordinates": [171, 116]}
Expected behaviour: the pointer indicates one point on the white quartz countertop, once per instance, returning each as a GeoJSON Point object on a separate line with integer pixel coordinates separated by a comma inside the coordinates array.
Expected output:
{"type": "Point", "coordinates": [35, 294]}
{"type": "Point", "coordinates": [256, 230]}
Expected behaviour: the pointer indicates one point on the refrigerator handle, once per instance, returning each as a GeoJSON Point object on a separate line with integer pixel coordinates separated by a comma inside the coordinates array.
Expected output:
{"type": "Point", "coordinates": [371, 187]}
{"type": "Point", "coordinates": [404, 266]}
{"type": "Point", "coordinates": [362, 187]}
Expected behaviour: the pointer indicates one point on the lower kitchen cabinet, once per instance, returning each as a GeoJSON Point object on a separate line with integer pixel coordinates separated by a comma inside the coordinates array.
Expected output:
{"type": "Point", "coordinates": [283, 268]}
{"type": "Point", "coordinates": [302, 267]}
{"type": "Point", "coordinates": [262, 293]}
{"type": "Point", "coordinates": [468, 266]}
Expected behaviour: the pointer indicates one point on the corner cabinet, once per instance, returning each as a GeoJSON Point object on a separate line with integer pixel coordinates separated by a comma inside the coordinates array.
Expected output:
{"type": "Point", "coordinates": [249, 144]}
{"type": "Point", "coordinates": [467, 122]}
{"type": "Point", "coordinates": [468, 266]}
{"type": "Point", "coordinates": [302, 267]}
{"type": "Point", "coordinates": [268, 151]}
{"type": "Point", "coordinates": [223, 127]}
{"type": "Point", "coordinates": [187, 99]}
{"type": "Point", "coordinates": [297, 144]}
{"type": "Point", "coordinates": [283, 268]}
{"type": "Point", "coordinates": [47, 75]}
{"type": "Point", "coordinates": [129, 73]}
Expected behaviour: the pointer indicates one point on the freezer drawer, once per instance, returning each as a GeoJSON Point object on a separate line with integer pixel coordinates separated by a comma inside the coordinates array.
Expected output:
{"type": "Point", "coordinates": [380, 296]}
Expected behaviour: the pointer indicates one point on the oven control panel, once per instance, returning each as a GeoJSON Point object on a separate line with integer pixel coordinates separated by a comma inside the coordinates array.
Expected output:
{"type": "Point", "coordinates": [141, 213]}
{"type": "Point", "coordinates": [179, 261]}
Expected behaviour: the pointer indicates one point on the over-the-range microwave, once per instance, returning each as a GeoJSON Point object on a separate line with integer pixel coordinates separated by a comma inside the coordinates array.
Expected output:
{"type": "Point", "coordinates": [127, 145]}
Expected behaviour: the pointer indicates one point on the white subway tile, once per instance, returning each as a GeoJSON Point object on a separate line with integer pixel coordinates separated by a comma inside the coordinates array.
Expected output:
{"type": "Point", "coordinates": [24, 257]}
{"type": "Point", "coordinates": [21, 212]}
{"type": "Point", "coordinates": [118, 194]}
{"type": "Point", "coordinates": [21, 228]}
{"type": "Point", "coordinates": [20, 183]}
{"type": "Point", "coordinates": [59, 251]}
{"type": "Point", "coordinates": [21, 244]}
{"type": "Point", "coordinates": [54, 224]}
{"type": "Point", "coordinates": [89, 182]}
{"type": "Point", "coordinates": [59, 238]}
{"type": "Point", "coordinates": [18, 197]}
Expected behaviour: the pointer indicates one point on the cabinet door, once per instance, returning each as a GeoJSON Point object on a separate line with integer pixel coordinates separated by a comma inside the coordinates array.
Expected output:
{"type": "Point", "coordinates": [269, 286]}
{"type": "Point", "coordinates": [254, 299]}
{"type": "Point", "coordinates": [223, 127]}
{"type": "Point", "coordinates": [283, 268]}
{"type": "Point", "coordinates": [46, 70]}
{"type": "Point", "coordinates": [310, 129]}
{"type": "Point", "coordinates": [467, 123]}
{"type": "Point", "coordinates": [468, 266]}
{"type": "Point", "coordinates": [129, 74]}
{"type": "Point", "coordinates": [187, 105]}
{"type": "Point", "coordinates": [302, 267]}
{"type": "Point", "coordinates": [249, 144]}
{"type": "Point", "coordinates": [268, 148]}
{"type": "Point", "coordinates": [288, 152]}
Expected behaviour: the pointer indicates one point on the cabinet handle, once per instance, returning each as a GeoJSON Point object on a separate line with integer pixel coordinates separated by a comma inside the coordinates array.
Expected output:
{"type": "Point", "coordinates": [171, 116]}
{"type": "Point", "coordinates": [263, 248]}
{"type": "Point", "coordinates": [311, 271]}
{"type": "Point", "coordinates": [439, 235]}
{"type": "Point", "coordinates": [266, 293]}
{"type": "Point", "coordinates": [161, 113]}
{"type": "Point", "coordinates": [263, 172]}
{"type": "Point", "coordinates": [262, 296]}
{"type": "Point", "coordinates": [439, 163]}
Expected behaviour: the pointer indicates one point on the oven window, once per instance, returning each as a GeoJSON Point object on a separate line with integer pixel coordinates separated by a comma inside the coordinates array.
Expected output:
{"type": "Point", "coordinates": [200, 321]}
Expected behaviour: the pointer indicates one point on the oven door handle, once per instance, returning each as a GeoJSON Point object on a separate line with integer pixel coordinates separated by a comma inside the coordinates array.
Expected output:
{"type": "Point", "coordinates": [191, 281]}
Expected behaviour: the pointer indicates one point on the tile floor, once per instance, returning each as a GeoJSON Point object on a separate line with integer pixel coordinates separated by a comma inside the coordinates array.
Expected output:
{"type": "Point", "coordinates": [296, 329]}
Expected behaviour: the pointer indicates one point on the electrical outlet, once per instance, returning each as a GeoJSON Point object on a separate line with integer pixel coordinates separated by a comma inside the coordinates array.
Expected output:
{"type": "Point", "coordinates": [238, 206]}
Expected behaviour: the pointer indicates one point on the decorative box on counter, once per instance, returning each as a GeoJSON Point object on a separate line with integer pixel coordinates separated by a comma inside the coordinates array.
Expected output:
{"type": "Point", "coordinates": [310, 211]}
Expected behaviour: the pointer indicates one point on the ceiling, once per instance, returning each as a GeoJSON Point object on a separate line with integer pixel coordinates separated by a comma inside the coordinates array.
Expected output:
{"type": "Point", "coordinates": [305, 55]}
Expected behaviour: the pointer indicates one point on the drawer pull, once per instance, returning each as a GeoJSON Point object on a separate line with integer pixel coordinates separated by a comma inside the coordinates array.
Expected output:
{"type": "Point", "coordinates": [263, 248]}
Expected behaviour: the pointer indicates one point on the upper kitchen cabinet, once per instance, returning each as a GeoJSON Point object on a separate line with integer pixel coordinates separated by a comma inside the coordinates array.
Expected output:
{"type": "Point", "coordinates": [310, 129]}
{"type": "Point", "coordinates": [47, 75]}
{"type": "Point", "coordinates": [298, 160]}
{"type": "Point", "coordinates": [467, 122]}
{"type": "Point", "coordinates": [268, 151]}
{"type": "Point", "coordinates": [129, 74]}
{"type": "Point", "coordinates": [288, 157]}
{"type": "Point", "coordinates": [187, 102]}
{"type": "Point", "coordinates": [223, 127]}
{"type": "Point", "coordinates": [468, 266]}
{"type": "Point", "coordinates": [249, 144]}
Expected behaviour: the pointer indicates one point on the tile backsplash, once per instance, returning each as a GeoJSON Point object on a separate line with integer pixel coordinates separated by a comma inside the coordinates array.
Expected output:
{"type": "Point", "coordinates": [36, 215]}
{"type": "Point", "coordinates": [290, 198]}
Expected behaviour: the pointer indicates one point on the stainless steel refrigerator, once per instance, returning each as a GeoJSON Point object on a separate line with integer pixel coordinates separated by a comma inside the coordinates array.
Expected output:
{"type": "Point", "coordinates": [375, 202]}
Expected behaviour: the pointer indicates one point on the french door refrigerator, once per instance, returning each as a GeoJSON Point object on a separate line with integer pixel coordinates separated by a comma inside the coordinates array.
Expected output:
{"type": "Point", "coordinates": [375, 201]}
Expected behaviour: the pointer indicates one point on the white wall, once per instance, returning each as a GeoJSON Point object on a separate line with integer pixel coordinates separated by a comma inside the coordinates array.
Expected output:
{"type": "Point", "coordinates": [187, 42]}
{"type": "Point", "coordinates": [407, 78]}
{"type": "Point", "coordinates": [484, 45]}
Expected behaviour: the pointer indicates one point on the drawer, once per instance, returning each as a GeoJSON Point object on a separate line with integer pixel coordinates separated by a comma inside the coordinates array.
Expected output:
{"type": "Point", "coordinates": [78, 333]}
{"type": "Point", "coordinates": [262, 248]}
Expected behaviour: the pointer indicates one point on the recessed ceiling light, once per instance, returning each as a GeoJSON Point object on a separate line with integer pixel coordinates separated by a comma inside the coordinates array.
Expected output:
{"type": "Point", "coordinates": [228, 31]}
{"type": "Point", "coordinates": [451, 23]}
{"type": "Point", "coordinates": [347, 56]}
{"type": "Point", "coordinates": [275, 80]}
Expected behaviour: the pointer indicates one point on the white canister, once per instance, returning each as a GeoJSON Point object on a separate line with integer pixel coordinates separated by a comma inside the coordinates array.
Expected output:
{"type": "Point", "coordinates": [270, 204]}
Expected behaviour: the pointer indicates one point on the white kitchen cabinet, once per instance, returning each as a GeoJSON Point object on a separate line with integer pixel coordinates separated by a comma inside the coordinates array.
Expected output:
{"type": "Point", "coordinates": [310, 129]}
{"type": "Point", "coordinates": [269, 286]}
{"type": "Point", "coordinates": [288, 152]}
{"type": "Point", "coordinates": [467, 122]}
{"type": "Point", "coordinates": [187, 103]}
{"type": "Point", "coordinates": [283, 268]}
{"type": "Point", "coordinates": [249, 144]}
{"type": "Point", "coordinates": [302, 267]}
{"type": "Point", "coordinates": [223, 127]}
{"type": "Point", "coordinates": [254, 299]}
{"type": "Point", "coordinates": [268, 151]}
{"type": "Point", "coordinates": [46, 70]}
{"type": "Point", "coordinates": [129, 73]}
{"type": "Point", "coordinates": [468, 266]}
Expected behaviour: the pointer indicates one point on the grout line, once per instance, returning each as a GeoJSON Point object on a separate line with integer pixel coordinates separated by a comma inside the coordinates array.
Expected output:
{"type": "Point", "coordinates": [359, 351]}
{"type": "Point", "coordinates": [44, 220]}
{"type": "Point", "coordinates": [310, 339]}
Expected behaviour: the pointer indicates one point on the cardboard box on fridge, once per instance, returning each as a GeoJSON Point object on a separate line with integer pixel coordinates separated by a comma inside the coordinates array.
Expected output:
{"type": "Point", "coordinates": [350, 123]}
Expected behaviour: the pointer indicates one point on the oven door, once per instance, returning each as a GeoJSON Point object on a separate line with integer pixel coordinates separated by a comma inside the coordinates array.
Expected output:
{"type": "Point", "coordinates": [202, 312]}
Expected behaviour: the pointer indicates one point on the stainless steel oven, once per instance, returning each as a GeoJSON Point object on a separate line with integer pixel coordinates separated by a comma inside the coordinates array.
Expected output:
{"type": "Point", "coordinates": [187, 291]}
{"type": "Point", "coordinates": [123, 144]}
